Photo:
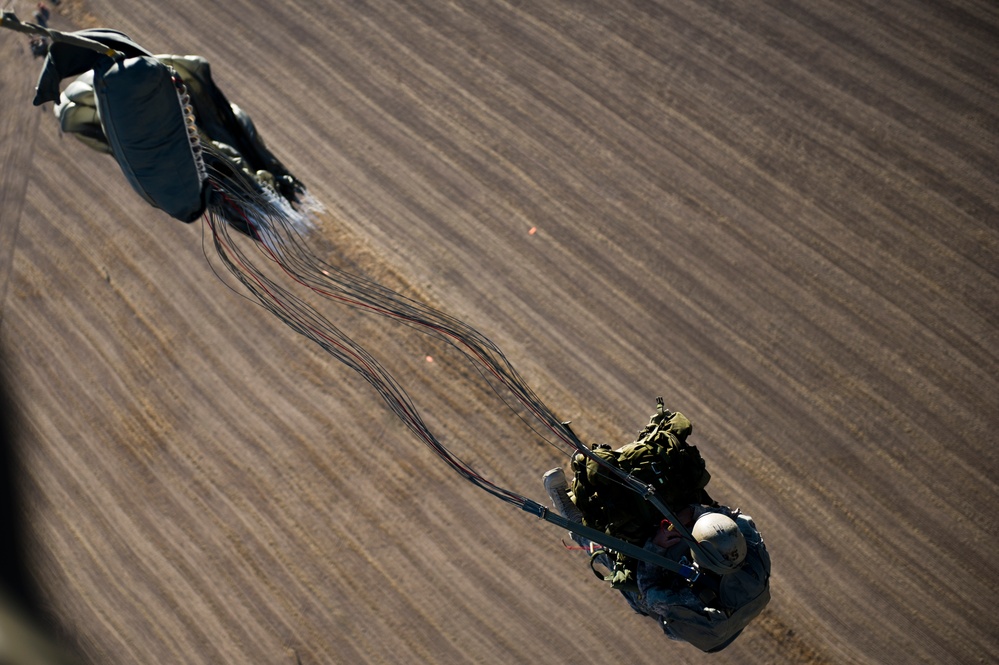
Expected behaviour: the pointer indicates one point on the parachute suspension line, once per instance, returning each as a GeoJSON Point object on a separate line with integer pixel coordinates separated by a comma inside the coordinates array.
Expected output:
{"type": "Point", "coordinates": [333, 283]}
{"type": "Point", "coordinates": [288, 249]}
{"type": "Point", "coordinates": [307, 321]}
{"type": "Point", "coordinates": [295, 258]}
{"type": "Point", "coordinates": [237, 200]}
{"type": "Point", "coordinates": [241, 203]}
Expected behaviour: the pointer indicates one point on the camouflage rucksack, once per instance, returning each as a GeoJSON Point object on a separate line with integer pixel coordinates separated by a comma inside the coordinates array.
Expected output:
{"type": "Point", "coordinates": [659, 457]}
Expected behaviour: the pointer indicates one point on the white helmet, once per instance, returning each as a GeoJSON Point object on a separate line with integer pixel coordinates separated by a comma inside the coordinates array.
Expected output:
{"type": "Point", "coordinates": [723, 544]}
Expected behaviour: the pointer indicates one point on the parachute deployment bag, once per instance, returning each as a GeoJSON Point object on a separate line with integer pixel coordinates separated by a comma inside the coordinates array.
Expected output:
{"type": "Point", "coordinates": [142, 117]}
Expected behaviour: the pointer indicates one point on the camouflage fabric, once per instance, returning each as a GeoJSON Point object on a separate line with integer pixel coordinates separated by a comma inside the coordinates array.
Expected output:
{"type": "Point", "coordinates": [713, 612]}
{"type": "Point", "coordinates": [661, 458]}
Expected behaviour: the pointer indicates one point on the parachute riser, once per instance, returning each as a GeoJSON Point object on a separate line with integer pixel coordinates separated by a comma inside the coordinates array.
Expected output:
{"type": "Point", "coordinates": [689, 573]}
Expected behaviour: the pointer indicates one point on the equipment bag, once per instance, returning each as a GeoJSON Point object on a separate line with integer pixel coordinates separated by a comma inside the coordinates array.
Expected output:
{"type": "Point", "coordinates": [661, 458]}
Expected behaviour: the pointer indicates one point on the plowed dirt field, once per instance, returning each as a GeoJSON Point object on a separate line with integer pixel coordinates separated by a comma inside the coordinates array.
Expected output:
{"type": "Point", "coordinates": [781, 215]}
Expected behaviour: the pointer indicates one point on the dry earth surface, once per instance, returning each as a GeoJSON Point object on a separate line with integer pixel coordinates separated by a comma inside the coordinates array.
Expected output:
{"type": "Point", "coordinates": [782, 215]}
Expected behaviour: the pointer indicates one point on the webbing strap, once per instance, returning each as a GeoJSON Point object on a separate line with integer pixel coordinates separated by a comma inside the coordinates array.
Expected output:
{"type": "Point", "coordinates": [9, 20]}
{"type": "Point", "coordinates": [689, 573]}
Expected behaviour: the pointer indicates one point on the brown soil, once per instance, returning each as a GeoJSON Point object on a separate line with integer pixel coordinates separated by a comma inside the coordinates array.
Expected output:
{"type": "Point", "coordinates": [782, 216]}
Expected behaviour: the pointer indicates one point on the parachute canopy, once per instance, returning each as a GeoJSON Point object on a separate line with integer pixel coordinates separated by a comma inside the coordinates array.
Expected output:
{"type": "Point", "coordinates": [179, 142]}
{"type": "Point", "coordinates": [139, 106]}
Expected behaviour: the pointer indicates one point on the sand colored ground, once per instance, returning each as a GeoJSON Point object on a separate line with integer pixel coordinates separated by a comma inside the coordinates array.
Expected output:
{"type": "Point", "coordinates": [783, 216]}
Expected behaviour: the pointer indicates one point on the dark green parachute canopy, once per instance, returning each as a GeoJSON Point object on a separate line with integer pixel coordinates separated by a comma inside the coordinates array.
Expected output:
{"type": "Point", "coordinates": [140, 110]}
{"type": "Point", "coordinates": [155, 114]}
{"type": "Point", "coordinates": [141, 116]}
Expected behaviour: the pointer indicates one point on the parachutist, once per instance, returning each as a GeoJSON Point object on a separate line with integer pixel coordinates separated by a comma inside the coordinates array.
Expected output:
{"type": "Point", "coordinates": [732, 586]}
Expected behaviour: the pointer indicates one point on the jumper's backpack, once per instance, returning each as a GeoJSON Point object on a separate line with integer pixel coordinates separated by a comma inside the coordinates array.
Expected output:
{"type": "Point", "coordinates": [659, 457]}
